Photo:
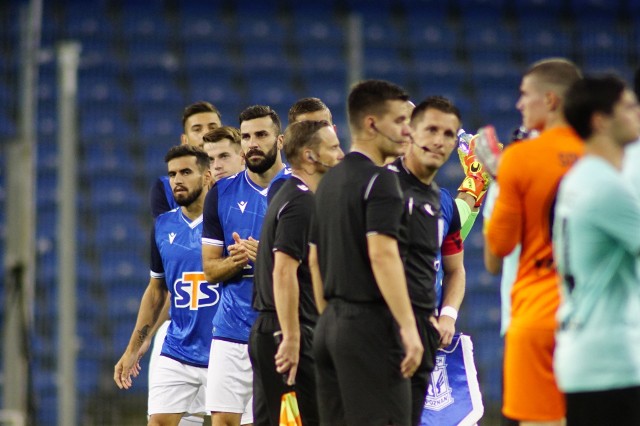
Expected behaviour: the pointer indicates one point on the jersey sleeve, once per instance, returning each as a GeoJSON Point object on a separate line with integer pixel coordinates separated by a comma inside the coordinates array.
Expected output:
{"type": "Point", "coordinates": [505, 225]}
{"type": "Point", "coordinates": [622, 223]}
{"type": "Point", "coordinates": [212, 232]}
{"type": "Point", "coordinates": [292, 232]}
{"type": "Point", "coordinates": [383, 201]}
{"type": "Point", "coordinates": [158, 199]}
{"type": "Point", "coordinates": [452, 243]}
{"type": "Point", "coordinates": [157, 268]}
{"type": "Point", "coordinates": [274, 187]}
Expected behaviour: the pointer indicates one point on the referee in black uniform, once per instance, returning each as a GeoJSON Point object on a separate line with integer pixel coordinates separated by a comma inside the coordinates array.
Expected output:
{"type": "Point", "coordinates": [366, 343]}
{"type": "Point", "coordinates": [435, 122]}
{"type": "Point", "coordinates": [282, 288]}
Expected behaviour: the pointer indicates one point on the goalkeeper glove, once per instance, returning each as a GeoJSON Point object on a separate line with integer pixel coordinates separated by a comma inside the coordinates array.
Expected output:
{"type": "Point", "coordinates": [477, 179]}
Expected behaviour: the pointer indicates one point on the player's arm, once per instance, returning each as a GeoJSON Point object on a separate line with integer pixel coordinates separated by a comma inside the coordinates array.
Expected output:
{"type": "Point", "coordinates": [389, 274]}
{"type": "Point", "coordinates": [504, 228]}
{"type": "Point", "coordinates": [316, 279]}
{"type": "Point", "coordinates": [150, 307]}
{"type": "Point", "coordinates": [384, 207]}
{"type": "Point", "coordinates": [162, 318]}
{"type": "Point", "coordinates": [286, 294]}
{"type": "Point", "coordinates": [453, 288]}
{"type": "Point", "coordinates": [218, 267]}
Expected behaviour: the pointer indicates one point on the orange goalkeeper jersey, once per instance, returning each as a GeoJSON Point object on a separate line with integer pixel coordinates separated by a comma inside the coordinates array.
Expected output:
{"type": "Point", "coordinates": [528, 177]}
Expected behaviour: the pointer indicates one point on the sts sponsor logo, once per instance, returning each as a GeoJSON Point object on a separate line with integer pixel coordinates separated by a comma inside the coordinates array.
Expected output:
{"type": "Point", "coordinates": [193, 291]}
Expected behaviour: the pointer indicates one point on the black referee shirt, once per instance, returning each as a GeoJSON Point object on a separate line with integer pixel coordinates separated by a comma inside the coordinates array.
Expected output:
{"type": "Point", "coordinates": [420, 235]}
{"type": "Point", "coordinates": [354, 199]}
{"type": "Point", "coordinates": [286, 228]}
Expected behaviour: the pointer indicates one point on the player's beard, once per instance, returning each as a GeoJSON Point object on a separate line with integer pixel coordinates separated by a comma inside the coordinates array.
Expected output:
{"type": "Point", "coordinates": [189, 198]}
{"type": "Point", "coordinates": [265, 163]}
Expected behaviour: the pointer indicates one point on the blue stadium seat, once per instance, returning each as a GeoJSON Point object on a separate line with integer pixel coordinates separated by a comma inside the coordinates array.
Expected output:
{"type": "Point", "coordinates": [248, 9]}
{"type": "Point", "coordinates": [214, 88]}
{"type": "Point", "coordinates": [543, 41]}
{"type": "Point", "coordinates": [321, 60]}
{"type": "Point", "coordinates": [147, 93]}
{"type": "Point", "coordinates": [427, 34]}
{"type": "Point", "coordinates": [262, 30]}
{"type": "Point", "coordinates": [429, 9]}
{"type": "Point", "coordinates": [332, 89]}
{"type": "Point", "coordinates": [201, 55]}
{"type": "Point", "coordinates": [311, 32]}
{"type": "Point", "coordinates": [103, 123]}
{"type": "Point", "coordinates": [596, 8]}
{"type": "Point", "coordinates": [381, 32]}
{"type": "Point", "coordinates": [270, 90]}
{"type": "Point", "coordinates": [7, 123]}
{"type": "Point", "coordinates": [161, 120]}
{"type": "Point", "coordinates": [103, 87]}
{"type": "Point", "coordinates": [526, 8]}
{"type": "Point", "coordinates": [151, 53]}
{"type": "Point", "coordinates": [88, 20]}
{"type": "Point", "coordinates": [386, 63]}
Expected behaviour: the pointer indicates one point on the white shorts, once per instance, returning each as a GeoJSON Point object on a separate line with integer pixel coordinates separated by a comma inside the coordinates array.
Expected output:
{"type": "Point", "coordinates": [230, 379]}
{"type": "Point", "coordinates": [177, 388]}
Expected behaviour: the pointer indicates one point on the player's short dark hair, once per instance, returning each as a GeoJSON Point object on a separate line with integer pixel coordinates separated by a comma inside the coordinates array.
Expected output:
{"type": "Point", "coordinates": [588, 96]}
{"type": "Point", "coordinates": [299, 135]}
{"type": "Point", "coordinates": [197, 108]}
{"type": "Point", "coordinates": [223, 133]}
{"type": "Point", "coordinates": [558, 72]}
{"type": "Point", "coordinates": [439, 103]}
{"type": "Point", "coordinates": [636, 83]}
{"type": "Point", "coordinates": [259, 111]}
{"type": "Point", "coordinates": [185, 150]}
{"type": "Point", "coordinates": [370, 97]}
{"type": "Point", "coordinates": [305, 106]}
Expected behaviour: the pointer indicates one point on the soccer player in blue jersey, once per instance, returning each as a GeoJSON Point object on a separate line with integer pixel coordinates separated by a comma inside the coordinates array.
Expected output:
{"type": "Point", "coordinates": [595, 243]}
{"type": "Point", "coordinates": [176, 268]}
{"type": "Point", "coordinates": [233, 215]}
{"type": "Point", "coordinates": [197, 120]}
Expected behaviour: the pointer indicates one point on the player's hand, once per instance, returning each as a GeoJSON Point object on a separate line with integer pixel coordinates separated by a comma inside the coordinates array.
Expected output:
{"type": "Point", "coordinates": [413, 351]}
{"type": "Point", "coordinates": [238, 251]}
{"type": "Point", "coordinates": [488, 149]}
{"type": "Point", "coordinates": [135, 370]}
{"type": "Point", "coordinates": [122, 371]}
{"type": "Point", "coordinates": [477, 180]}
{"type": "Point", "coordinates": [447, 328]}
{"type": "Point", "coordinates": [288, 357]}
{"type": "Point", "coordinates": [251, 245]}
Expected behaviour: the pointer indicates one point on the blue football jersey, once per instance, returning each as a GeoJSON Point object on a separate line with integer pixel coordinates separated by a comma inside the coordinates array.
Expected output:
{"type": "Point", "coordinates": [446, 206]}
{"type": "Point", "coordinates": [176, 256]}
{"type": "Point", "coordinates": [277, 182]}
{"type": "Point", "coordinates": [234, 204]}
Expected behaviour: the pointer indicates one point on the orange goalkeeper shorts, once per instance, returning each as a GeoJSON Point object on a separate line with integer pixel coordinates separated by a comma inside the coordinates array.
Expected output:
{"type": "Point", "coordinates": [530, 389]}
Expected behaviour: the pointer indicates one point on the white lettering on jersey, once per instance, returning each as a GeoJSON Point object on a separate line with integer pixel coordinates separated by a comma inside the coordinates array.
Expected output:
{"type": "Point", "coordinates": [242, 205]}
{"type": "Point", "coordinates": [172, 236]}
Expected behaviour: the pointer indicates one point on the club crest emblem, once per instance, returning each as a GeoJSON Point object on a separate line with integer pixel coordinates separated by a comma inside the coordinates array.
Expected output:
{"type": "Point", "coordinates": [439, 392]}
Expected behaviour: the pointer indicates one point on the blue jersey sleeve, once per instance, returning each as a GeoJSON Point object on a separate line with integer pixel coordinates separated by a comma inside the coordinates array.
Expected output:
{"type": "Point", "coordinates": [157, 268]}
{"type": "Point", "coordinates": [212, 232]}
{"type": "Point", "coordinates": [159, 199]}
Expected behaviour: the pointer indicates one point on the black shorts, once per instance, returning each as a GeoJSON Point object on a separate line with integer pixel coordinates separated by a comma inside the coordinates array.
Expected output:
{"type": "Point", "coordinates": [358, 352]}
{"type": "Point", "coordinates": [610, 407]}
{"type": "Point", "coordinates": [420, 379]}
{"type": "Point", "coordinates": [268, 384]}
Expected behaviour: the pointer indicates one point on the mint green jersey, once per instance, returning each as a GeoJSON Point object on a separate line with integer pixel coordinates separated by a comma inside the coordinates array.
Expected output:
{"type": "Point", "coordinates": [509, 264]}
{"type": "Point", "coordinates": [631, 165]}
{"type": "Point", "coordinates": [596, 237]}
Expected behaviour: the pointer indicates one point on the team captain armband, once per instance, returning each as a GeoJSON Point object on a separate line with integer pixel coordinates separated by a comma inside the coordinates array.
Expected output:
{"type": "Point", "coordinates": [452, 244]}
